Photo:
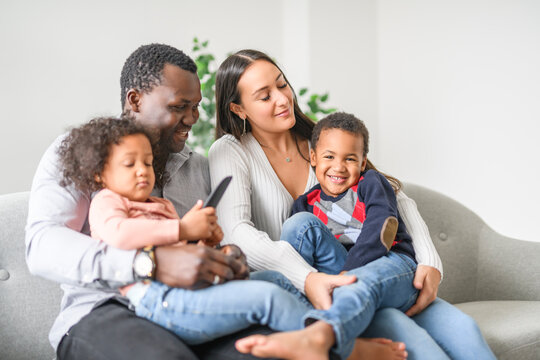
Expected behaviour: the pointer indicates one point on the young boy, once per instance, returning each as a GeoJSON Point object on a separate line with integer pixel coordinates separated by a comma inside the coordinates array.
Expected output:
{"type": "Point", "coordinates": [353, 199]}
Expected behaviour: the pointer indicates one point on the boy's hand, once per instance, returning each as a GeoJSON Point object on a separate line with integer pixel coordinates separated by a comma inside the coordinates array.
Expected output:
{"type": "Point", "coordinates": [241, 272]}
{"type": "Point", "coordinates": [198, 223]}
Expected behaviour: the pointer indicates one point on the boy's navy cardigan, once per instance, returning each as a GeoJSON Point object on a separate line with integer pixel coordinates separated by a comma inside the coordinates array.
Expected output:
{"type": "Point", "coordinates": [356, 217]}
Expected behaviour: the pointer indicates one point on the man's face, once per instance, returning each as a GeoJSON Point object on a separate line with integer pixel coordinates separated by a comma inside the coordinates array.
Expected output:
{"type": "Point", "coordinates": [171, 107]}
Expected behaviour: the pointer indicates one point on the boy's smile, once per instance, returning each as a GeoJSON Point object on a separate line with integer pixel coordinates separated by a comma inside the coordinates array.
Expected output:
{"type": "Point", "coordinates": [338, 160]}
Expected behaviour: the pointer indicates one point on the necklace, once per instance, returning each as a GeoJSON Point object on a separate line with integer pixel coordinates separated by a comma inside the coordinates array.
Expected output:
{"type": "Point", "coordinates": [287, 158]}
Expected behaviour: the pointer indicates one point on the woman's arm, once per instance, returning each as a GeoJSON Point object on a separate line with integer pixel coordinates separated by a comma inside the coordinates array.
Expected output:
{"type": "Point", "coordinates": [55, 247]}
{"type": "Point", "coordinates": [429, 272]}
{"type": "Point", "coordinates": [227, 157]}
{"type": "Point", "coordinates": [426, 254]}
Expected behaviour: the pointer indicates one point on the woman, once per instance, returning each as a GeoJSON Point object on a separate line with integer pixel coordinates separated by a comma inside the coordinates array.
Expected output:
{"type": "Point", "coordinates": [262, 141]}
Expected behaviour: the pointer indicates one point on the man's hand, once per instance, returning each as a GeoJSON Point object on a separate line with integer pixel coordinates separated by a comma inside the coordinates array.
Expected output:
{"type": "Point", "coordinates": [320, 286]}
{"type": "Point", "coordinates": [427, 280]}
{"type": "Point", "coordinates": [242, 272]}
{"type": "Point", "coordinates": [192, 266]}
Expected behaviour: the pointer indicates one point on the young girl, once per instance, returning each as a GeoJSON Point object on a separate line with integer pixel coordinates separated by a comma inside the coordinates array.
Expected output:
{"type": "Point", "coordinates": [115, 157]}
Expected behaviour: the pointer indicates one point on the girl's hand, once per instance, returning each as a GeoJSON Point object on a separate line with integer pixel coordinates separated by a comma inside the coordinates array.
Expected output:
{"type": "Point", "coordinates": [320, 286]}
{"type": "Point", "coordinates": [198, 223]}
{"type": "Point", "coordinates": [215, 239]}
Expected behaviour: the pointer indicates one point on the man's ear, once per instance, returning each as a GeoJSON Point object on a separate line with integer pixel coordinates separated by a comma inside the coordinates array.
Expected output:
{"type": "Point", "coordinates": [133, 99]}
{"type": "Point", "coordinates": [237, 109]}
{"type": "Point", "coordinates": [312, 157]}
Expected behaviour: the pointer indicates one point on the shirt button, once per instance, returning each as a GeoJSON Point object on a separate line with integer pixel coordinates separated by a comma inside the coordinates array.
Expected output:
{"type": "Point", "coordinates": [165, 304]}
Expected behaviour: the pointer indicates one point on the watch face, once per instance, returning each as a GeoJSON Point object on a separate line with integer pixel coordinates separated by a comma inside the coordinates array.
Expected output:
{"type": "Point", "coordinates": [143, 265]}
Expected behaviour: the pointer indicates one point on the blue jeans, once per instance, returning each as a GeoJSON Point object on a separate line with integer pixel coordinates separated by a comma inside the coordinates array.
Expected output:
{"type": "Point", "coordinates": [198, 316]}
{"type": "Point", "coordinates": [385, 282]}
{"type": "Point", "coordinates": [439, 332]}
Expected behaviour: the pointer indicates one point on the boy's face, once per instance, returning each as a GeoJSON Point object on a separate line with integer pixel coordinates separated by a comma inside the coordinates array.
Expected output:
{"type": "Point", "coordinates": [338, 160]}
{"type": "Point", "coordinates": [128, 170]}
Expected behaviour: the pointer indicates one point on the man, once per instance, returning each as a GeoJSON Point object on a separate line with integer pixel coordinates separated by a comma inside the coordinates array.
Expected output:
{"type": "Point", "coordinates": [161, 90]}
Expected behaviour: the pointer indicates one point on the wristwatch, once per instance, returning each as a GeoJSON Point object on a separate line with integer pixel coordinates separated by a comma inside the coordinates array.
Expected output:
{"type": "Point", "coordinates": [144, 264]}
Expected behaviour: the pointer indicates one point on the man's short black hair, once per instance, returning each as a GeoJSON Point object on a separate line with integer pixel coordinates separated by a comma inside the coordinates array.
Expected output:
{"type": "Point", "coordinates": [144, 67]}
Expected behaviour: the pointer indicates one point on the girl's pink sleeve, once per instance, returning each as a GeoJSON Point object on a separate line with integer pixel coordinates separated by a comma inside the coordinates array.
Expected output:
{"type": "Point", "coordinates": [109, 222]}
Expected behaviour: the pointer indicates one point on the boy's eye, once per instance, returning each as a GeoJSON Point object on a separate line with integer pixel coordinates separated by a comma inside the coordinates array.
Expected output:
{"type": "Point", "coordinates": [330, 157]}
{"type": "Point", "coordinates": [351, 159]}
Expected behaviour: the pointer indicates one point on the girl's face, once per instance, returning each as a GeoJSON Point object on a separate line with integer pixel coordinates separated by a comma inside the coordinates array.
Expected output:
{"type": "Point", "coordinates": [338, 160]}
{"type": "Point", "coordinates": [266, 99]}
{"type": "Point", "coordinates": [128, 170]}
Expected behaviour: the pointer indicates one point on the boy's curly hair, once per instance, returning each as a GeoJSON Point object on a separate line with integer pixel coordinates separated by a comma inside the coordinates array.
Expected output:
{"type": "Point", "coordinates": [350, 123]}
{"type": "Point", "coordinates": [85, 150]}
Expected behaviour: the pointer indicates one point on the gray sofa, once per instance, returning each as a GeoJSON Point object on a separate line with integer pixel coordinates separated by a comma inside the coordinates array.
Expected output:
{"type": "Point", "coordinates": [493, 278]}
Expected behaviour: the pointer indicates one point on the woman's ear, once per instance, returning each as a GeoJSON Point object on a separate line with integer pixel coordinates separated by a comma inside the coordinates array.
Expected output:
{"type": "Point", "coordinates": [133, 99]}
{"type": "Point", "coordinates": [237, 109]}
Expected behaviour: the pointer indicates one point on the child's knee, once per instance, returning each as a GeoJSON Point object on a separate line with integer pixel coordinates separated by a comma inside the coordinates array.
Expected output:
{"type": "Point", "coordinates": [294, 223]}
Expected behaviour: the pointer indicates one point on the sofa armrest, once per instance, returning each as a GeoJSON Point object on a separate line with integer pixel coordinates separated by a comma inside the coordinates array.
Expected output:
{"type": "Point", "coordinates": [508, 269]}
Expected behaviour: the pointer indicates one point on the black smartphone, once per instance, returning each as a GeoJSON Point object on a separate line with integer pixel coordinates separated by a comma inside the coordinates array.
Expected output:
{"type": "Point", "coordinates": [214, 197]}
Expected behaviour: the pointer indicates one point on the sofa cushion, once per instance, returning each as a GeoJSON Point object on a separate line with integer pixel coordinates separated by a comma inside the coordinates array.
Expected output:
{"type": "Point", "coordinates": [510, 327]}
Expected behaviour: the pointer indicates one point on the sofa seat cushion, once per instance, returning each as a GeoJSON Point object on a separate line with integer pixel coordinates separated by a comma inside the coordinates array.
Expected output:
{"type": "Point", "coordinates": [511, 328]}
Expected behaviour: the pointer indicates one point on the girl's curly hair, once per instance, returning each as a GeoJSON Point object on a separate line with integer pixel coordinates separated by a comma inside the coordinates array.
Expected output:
{"type": "Point", "coordinates": [85, 150]}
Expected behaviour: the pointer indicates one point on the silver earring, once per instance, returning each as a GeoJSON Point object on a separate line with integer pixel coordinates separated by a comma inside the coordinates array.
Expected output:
{"type": "Point", "coordinates": [244, 132]}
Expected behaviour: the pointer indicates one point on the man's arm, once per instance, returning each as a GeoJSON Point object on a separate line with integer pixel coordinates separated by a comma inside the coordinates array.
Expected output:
{"type": "Point", "coordinates": [57, 247]}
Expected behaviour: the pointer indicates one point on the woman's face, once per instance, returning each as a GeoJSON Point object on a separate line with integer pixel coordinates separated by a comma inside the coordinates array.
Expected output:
{"type": "Point", "coordinates": [266, 99]}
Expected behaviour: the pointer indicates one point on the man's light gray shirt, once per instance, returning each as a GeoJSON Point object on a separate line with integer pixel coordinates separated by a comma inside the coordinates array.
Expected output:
{"type": "Point", "coordinates": [58, 247]}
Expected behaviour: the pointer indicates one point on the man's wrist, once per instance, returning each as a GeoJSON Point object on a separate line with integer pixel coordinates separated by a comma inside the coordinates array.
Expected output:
{"type": "Point", "coordinates": [144, 264]}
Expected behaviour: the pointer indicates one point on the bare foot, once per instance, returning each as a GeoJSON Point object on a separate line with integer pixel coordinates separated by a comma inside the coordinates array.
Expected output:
{"type": "Point", "coordinates": [312, 343]}
{"type": "Point", "coordinates": [378, 348]}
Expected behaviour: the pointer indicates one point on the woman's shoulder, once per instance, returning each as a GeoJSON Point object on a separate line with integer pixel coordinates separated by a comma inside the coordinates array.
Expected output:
{"type": "Point", "coordinates": [227, 145]}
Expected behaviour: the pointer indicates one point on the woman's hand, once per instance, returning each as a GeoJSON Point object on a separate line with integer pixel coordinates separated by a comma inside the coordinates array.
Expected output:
{"type": "Point", "coordinates": [320, 286]}
{"type": "Point", "coordinates": [427, 280]}
{"type": "Point", "coordinates": [198, 223]}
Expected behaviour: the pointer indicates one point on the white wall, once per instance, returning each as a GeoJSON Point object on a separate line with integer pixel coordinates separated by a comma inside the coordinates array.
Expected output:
{"type": "Point", "coordinates": [449, 89]}
{"type": "Point", "coordinates": [60, 60]}
{"type": "Point", "coordinates": [459, 91]}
